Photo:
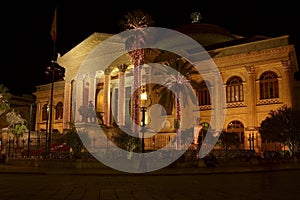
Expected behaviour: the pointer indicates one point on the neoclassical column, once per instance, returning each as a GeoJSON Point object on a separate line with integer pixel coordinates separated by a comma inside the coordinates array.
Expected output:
{"type": "Point", "coordinates": [287, 78]}
{"type": "Point", "coordinates": [98, 103]}
{"type": "Point", "coordinates": [121, 94]}
{"type": "Point", "coordinates": [38, 115]}
{"type": "Point", "coordinates": [147, 75]}
{"type": "Point", "coordinates": [137, 76]}
{"type": "Point", "coordinates": [78, 97]}
{"type": "Point", "coordinates": [106, 98]}
{"type": "Point", "coordinates": [251, 96]}
{"type": "Point", "coordinates": [67, 106]}
{"type": "Point", "coordinates": [92, 87]}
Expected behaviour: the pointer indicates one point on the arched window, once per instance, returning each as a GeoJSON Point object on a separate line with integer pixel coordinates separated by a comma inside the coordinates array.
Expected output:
{"type": "Point", "coordinates": [237, 127]}
{"type": "Point", "coordinates": [59, 111]}
{"type": "Point", "coordinates": [45, 112]}
{"type": "Point", "coordinates": [268, 84]}
{"type": "Point", "coordinates": [203, 94]}
{"type": "Point", "coordinates": [234, 90]}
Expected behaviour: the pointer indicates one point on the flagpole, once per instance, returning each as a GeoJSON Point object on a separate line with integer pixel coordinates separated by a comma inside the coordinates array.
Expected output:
{"type": "Point", "coordinates": [52, 75]}
{"type": "Point", "coordinates": [54, 51]}
{"type": "Point", "coordinates": [54, 33]}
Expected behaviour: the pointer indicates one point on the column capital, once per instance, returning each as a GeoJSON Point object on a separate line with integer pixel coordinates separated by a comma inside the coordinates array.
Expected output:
{"type": "Point", "coordinates": [250, 69]}
{"type": "Point", "coordinates": [107, 71]}
{"type": "Point", "coordinates": [122, 68]}
{"type": "Point", "coordinates": [286, 64]}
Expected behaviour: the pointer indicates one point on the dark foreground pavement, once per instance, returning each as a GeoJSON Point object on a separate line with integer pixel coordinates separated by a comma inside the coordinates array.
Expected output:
{"type": "Point", "coordinates": [10, 169]}
{"type": "Point", "coordinates": [240, 182]}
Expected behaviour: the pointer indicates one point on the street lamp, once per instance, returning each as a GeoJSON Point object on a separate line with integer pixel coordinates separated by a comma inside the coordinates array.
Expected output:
{"type": "Point", "coordinates": [46, 136]}
{"type": "Point", "coordinates": [55, 72]}
{"type": "Point", "coordinates": [29, 129]}
{"type": "Point", "coordinates": [251, 142]}
{"type": "Point", "coordinates": [144, 99]}
{"type": "Point", "coordinates": [252, 138]}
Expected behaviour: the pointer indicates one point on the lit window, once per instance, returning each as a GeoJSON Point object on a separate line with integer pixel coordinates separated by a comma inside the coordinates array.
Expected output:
{"type": "Point", "coordinates": [203, 95]}
{"type": "Point", "coordinates": [59, 110]}
{"type": "Point", "coordinates": [268, 83]}
{"type": "Point", "coordinates": [234, 90]}
{"type": "Point", "coordinates": [45, 112]}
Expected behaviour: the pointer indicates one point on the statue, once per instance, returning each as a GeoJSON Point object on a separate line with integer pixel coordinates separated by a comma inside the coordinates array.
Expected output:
{"type": "Point", "coordinates": [88, 113]}
{"type": "Point", "coordinates": [196, 17]}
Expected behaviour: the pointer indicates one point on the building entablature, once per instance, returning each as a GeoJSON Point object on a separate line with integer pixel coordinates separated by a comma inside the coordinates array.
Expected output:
{"type": "Point", "coordinates": [269, 43]}
{"type": "Point", "coordinates": [255, 57]}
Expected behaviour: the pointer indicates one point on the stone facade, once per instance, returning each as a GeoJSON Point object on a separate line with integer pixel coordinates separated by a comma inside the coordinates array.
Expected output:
{"type": "Point", "coordinates": [246, 69]}
{"type": "Point", "coordinates": [58, 109]}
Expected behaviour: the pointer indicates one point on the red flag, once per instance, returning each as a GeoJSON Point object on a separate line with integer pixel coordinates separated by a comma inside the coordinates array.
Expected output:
{"type": "Point", "coordinates": [53, 28]}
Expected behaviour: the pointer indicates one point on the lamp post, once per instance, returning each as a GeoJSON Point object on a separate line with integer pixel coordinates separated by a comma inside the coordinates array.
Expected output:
{"type": "Point", "coordinates": [46, 136]}
{"type": "Point", "coordinates": [251, 142]}
{"type": "Point", "coordinates": [252, 138]}
{"type": "Point", "coordinates": [55, 72]}
{"type": "Point", "coordinates": [29, 130]}
{"type": "Point", "coordinates": [144, 99]}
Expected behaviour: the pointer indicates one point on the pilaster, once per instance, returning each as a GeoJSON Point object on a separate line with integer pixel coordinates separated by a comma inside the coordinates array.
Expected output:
{"type": "Point", "coordinates": [287, 78]}
{"type": "Point", "coordinates": [251, 96]}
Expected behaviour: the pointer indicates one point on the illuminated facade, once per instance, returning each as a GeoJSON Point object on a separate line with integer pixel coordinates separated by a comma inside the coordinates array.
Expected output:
{"type": "Point", "coordinates": [257, 75]}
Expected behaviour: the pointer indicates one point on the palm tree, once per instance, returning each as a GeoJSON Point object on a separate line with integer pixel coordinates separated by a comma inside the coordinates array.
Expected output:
{"type": "Point", "coordinates": [176, 89]}
{"type": "Point", "coordinates": [135, 44]}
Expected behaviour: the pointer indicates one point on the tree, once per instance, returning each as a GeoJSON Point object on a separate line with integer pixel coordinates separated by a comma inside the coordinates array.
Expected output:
{"type": "Point", "coordinates": [135, 44]}
{"type": "Point", "coordinates": [9, 118]}
{"type": "Point", "coordinates": [74, 140]}
{"type": "Point", "coordinates": [17, 125]}
{"type": "Point", "coordinates": [126, 142]}
{"type": "Point", "coordinates": [176, 88]}
{"type": "Point", "coordinates": [282, 125]}
{"type": "Point", "coordinates": [227, 140]}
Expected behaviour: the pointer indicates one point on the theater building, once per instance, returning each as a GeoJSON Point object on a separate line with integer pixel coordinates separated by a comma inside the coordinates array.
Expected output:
{"type": "Point", "coordinates": [256, 75]}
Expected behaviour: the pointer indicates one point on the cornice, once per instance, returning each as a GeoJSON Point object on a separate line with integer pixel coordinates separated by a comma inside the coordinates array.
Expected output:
{"type": "Point", "coordinates": [278, 53]}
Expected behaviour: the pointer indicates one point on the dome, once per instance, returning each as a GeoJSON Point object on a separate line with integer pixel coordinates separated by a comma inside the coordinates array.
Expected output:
{"type": "Point", "coordinates": [204, 33]}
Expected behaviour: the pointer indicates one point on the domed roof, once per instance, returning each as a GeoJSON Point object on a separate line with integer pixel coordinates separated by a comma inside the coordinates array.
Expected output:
{"type": "Point", "coordinates": [204, 33]}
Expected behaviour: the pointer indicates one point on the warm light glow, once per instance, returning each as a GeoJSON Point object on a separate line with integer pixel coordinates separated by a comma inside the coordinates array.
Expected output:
{"type": "Point", "coordinates": [144, 96]}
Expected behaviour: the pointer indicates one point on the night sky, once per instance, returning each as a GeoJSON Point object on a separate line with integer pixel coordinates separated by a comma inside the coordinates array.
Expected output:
{"type": "Point", "coordinates": [27, 48]}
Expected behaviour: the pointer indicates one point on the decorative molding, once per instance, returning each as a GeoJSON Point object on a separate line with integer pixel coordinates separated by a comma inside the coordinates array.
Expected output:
{"type": "Point", "coordinates": [286, 64]}
{"type": "Point", "coordinates": [269, 101]}
{"type": "Point", "coordinates": [205, 107]}
{"type": "Point", "coordinates": [254, 54]}
{"type": "Point", "coordinates": [122, 68]}
{"type": "Point", "coordinates": [236, 105]}
{"type": "Point", "coordinates": [107, 71]}
{"type": "Point", "coordinates": [251, 128]}
{"type": "Point", "coordinates": [250, 69]}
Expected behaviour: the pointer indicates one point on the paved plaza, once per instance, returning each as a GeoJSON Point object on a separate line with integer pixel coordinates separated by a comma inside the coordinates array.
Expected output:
{"type": "Point", "coordinates": [18, 183]}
